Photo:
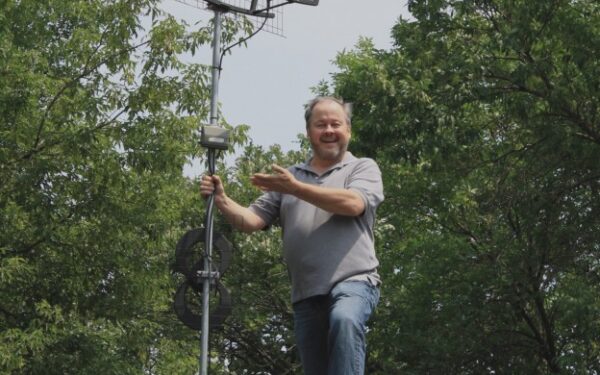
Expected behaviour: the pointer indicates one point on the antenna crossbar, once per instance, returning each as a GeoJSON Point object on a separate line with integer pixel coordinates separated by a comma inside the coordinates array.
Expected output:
{"type": "Point", "coordinates": [250, 11]}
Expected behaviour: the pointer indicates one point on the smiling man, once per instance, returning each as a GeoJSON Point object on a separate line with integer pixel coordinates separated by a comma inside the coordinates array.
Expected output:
{"type": "Point", "coordinates": [326, 207]}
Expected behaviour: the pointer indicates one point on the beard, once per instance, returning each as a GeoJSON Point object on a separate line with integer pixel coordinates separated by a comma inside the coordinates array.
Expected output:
{"type": "Point", "coordinates": [329, 152]}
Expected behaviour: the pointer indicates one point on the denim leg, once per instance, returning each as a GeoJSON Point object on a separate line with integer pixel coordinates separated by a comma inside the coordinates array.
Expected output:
{"type": "Point", "coordinates": [351, 305]}
{"type": "Point", "coordinates": [310, 328]}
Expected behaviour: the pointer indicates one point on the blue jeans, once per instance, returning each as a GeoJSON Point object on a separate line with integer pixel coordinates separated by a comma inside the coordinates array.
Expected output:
{"type": "Point", "coordinates": [330, 329]}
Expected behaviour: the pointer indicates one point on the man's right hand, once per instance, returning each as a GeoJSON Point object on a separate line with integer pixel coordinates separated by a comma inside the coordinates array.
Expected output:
{"type": "Point", "coordinates": [210, 184]}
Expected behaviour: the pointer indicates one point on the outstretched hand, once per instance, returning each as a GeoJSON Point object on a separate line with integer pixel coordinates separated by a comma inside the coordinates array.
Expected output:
{"type": "Point", "coordinates": [281, 181]}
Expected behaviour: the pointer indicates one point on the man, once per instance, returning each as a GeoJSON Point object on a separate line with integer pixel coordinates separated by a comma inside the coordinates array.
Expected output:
{"type": "Point", "coordinates": [326, 208]}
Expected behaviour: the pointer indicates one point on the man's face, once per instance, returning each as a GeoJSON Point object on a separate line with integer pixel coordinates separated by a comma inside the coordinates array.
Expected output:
{"type": "Point", "coordinates": [328, 131]}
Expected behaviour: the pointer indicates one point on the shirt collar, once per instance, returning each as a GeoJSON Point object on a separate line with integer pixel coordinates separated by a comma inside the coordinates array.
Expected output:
{"type": "Point", "coordinates": [348, 158]}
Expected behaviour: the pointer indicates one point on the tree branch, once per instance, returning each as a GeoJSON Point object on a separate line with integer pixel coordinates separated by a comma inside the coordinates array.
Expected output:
{"type": "Point", "coordinates": [85, 72]}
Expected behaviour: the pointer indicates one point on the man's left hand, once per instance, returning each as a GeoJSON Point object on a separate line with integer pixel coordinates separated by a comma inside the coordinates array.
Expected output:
{"type": "Point", "coordinates": [281, 181]}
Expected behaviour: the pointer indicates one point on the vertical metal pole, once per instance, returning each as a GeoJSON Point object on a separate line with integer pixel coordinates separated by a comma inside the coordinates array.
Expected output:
{"type": "Point", "coordinates": [214, 117]}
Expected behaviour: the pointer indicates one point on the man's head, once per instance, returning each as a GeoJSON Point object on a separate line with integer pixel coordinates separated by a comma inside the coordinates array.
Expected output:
{"type": "Point", "coordinates": [328, 129]}
{"type": "Point", "coordinates": [311, 105]}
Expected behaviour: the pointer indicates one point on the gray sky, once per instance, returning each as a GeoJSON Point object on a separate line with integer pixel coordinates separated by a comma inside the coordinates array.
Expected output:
{"type": "Point", "coordinates": [266, 83]}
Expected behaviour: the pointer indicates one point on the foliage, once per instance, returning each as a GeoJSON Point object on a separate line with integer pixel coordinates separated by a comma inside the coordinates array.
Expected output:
{"type": "Point", "coordinates": [97, 118]}
{"type": "Point", "coordinates": [484, 117]}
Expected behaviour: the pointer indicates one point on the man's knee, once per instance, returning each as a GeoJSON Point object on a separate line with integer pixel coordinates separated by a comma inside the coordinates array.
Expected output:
{"type": "Point", "coordinates": [346, 319]}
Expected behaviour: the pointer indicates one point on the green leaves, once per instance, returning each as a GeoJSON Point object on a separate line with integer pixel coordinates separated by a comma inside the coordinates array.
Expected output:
{"type": "Point", "coordinates": [483, 118]}
{"type": "Point", "coordinates": [97, 119]}
{"type": "Point", "coordinates": [485, 151]}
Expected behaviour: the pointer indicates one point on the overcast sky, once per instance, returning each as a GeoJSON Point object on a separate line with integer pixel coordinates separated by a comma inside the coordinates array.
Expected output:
{"type": "Point", "coordinates": [266, 83]}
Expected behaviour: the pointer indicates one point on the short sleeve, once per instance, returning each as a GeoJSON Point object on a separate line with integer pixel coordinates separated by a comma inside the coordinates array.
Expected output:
{"type": "Point", "coordinates": [365, 179]}
{"type": "Point", "coordinates": [267, 207]}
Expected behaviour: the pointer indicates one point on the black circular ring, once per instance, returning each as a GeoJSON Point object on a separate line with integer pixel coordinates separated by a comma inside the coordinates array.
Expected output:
{"type": "Point", "coordinates": [194, 321]}
{"type": "Point", "coordinates": [184, 254]}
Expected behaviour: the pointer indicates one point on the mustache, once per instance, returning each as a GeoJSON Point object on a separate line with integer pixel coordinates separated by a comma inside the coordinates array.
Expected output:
{"type": "Point", "coordinates": [329, 139]}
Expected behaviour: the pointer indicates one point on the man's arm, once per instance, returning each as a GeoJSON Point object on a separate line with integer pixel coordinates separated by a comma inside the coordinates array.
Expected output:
{"type": "Point", "coordinates": [238, 216]}
{"type": "Point", "coordinates": [338, 201]}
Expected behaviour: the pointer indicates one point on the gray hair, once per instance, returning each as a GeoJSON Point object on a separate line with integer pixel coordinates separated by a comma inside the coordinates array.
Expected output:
{"type": "Point", "coordinates": [310, 105]}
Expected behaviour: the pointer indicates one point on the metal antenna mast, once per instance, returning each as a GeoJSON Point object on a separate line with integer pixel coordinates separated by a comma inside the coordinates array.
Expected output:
{"type": "Point", "coordinates": [214, 138]}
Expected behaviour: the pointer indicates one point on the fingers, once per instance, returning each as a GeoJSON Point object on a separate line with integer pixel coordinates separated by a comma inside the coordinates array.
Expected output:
{"type": "Point", "coordinates": [213, 180]}
{"type": "Point", "coordinates": [216, 180]}
{"type": "Point", "coordinates": [259, 180]}
{"type": "Point", "coordinates": [261, 176]}
{"type": "Point", "coordinates": [270, 177]}
{"type": "Point", "coordinates": [281, 180]}
{"type": "Point", "coordinates": [209, 185]}
{"type": "Point", "coordinates": [278, 168]}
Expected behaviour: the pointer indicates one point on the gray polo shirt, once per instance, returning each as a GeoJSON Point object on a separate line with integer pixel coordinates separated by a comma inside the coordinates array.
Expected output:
{"type": "Point", "coordinates": [321, 248]}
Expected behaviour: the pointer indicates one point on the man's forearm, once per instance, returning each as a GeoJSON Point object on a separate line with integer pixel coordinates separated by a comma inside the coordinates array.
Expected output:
{"type": "Point", "coordinates": [238, 216]}
{"type": "Point", "coordinates": [338, 201]}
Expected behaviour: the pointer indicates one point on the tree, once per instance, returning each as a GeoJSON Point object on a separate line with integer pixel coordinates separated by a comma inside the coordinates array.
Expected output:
{"type": "Point", "coordinates": [97, 118]}
{"type": "Point", "coordinates": [484, 117]}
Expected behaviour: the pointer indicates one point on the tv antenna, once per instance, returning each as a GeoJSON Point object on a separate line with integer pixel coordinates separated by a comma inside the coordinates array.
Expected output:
{"type": "Point", "coordinates": [203, 275]}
